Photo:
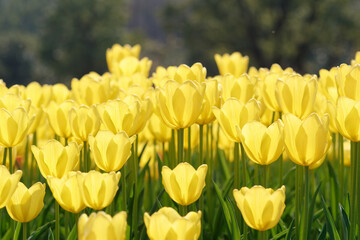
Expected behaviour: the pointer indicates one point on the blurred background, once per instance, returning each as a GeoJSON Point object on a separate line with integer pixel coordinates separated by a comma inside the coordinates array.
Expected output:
{"type": "Point", "coordinates": [55, 40]}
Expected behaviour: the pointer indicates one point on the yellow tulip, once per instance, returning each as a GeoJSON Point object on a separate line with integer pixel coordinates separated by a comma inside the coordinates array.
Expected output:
{"type": "Point", "coordinates": [8, 184]}
{"type": "Point", "coordinates": [60, 93]}
{"type": "Point", "coordinates": [37, 113]}
{"type": "Point", "coordinates": [111, 151]}
{"type": "Point", "coordinates": [129, 115]}
{"type": "Point", "coordinates": [14, 126]}
{"type": "Point", "coordinates": [347, 159]}
{"type": "Point", "coordinates": [129, 66]}
{"type": "Point", "coordinates": [102, 226]}
{"type": "Point", "coordinates": [39, 95]}
{"type": "Point", "coordinates": [56, 160]}
{"type": "Point", "coordinates": [66, 191]}
{"type": "Point", "coordinates": [348, 81]}
{"type": "Point", "coordinates": [183, 73]}
{"type": "Point", "coordinates": [236, 64]}
{"type": "Point", "coordinates": [168, 224]}
{"type": "Point", "coordinates": [263, 145]}
{"type": "Point", "coordinates": [348, 118]}
{"type": "Point", "coordinates": [235, 113]}
{"type": "Point", "coordinates": [194, 132]}
{"type": "Point", "coordinates": [267, 88]}
{"type": "Point", "coordinates": [84, 121]}
{"type": "Point", "coordinates": [240, 87]}
{"type": "Point", "coordinates": [212, 98]}
{"type": "Point", "coordinates": [184, 184]}
{"type": "Point", "coordinates": [158, 129]}
{"type": "Point", "coordinates": [99, 189]}
{"type": "Point", "coordinates": [261, 208]}
{"type": "Point", "coordinates": [117, 53]}
{"type": "Point", "coordinates": [327, 84]}
{"type": "Point", "coordinates": [26, 204]}
{"type": "Point", "coordinates": [296, 94]}
{"type": "Point", "coordinates": [356, 60]}
{"type": "Point", "coordinates": [11, 101]}
{"type": "Point", "coordinates": [58, 116]}
{"type": "Point", "coordinates": [180, 104]}
{"type": "Point", "coordinates": [306, 141]}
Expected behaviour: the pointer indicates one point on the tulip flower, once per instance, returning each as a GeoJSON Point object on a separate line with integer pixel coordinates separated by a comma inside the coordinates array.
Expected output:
{"type": "Point", "coordinates": [347, 118]}
{"type": "Point", "coordinates": [11, 101]}
{"type": "Point", "coordinates": [236, 64]}
{"type": "Point", "coordinates": [39, 95]}
{"type": "Point", "coordinates": [14, 127]}
{"type": "Point", "coordinates": [66, 191]}
{"type": "Point", "coordinates": [184, 73]}
{"type": "Point", "coordinates": [241, 87]}
{"type": "Point", "coordinates": [8, 184]}
{"type": "Point", "coordinates": [212, 98]}
{"type": "Point", "coordinates": [111, 151]}
{"type": "Point", "coordinates": [37, 114]}
{"type": "Point", "coordinates": [267, 88]}
{"type": "Point", "coordinates": [235, 113]}
{"type": "Point", "coordinates": [84, 121]}
{"type": "Point", "coordinates": [168, 224]}
{"type": "Point", "coordinates": [56, 160]}
{"type": "Point", "coordinates": [129, 66]}
{"type": "Point", "coordinates": [306, 141]}
{"type": "Point", "coordinates": [129, 115]}
{"type": "Point", "coordinates": [184, 184]}
{"type": "Point", "coordinates": [98, 190]}
{"type": "Point", "coordinates": [117, 53]}
{"type": "Point", "coordinates": [26, 204]}
{"type": "Point", "coordinates": [260, 207]}
{"type": "Point", "coordinates": [327, 84]}
{"type": "Point", "coordinates": [180, 104]}
{"type": "Point", "coordinates": [58, 116]}
{"type": "Point", "coordinates": [347, 79]}
{"type": "Point", "coordinates": [60, 93]}
{"type": "Point", "coordinates": [356, 60]}
{"type": "Point", "coordinates": [158, 129]}
{"type": "Point", "coordinates": [296, 94]}
{"type": "Point", "coordinates": [102, 226]}
{"type": "Point", "coordinates": [262, 145]}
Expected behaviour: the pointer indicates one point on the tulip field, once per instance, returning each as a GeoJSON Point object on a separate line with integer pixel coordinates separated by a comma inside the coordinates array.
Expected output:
{"type": "Point", "coordinates": [250, 153]}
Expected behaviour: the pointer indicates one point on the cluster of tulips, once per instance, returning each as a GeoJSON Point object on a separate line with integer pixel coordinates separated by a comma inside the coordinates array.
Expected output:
{"type": "Point", "coordinates": [125, 155]}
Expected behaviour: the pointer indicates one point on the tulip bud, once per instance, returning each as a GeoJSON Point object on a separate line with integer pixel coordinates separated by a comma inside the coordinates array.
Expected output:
{"type": "Point", "coordinates": [26, 204]}
{"type": "Point", "coordinates": [60, 93]}
{"type": "Point", "coordinates": [8, 184]}
{"type": "Point", "coordinates": [184, 184]}
{"type": "Point", "coordinates": [348, 118]}
{"type": "Point", "coordinates": [236, 64]}
{"type": "Point", "coordinates": [168, 224]}
{"type": "Point", "coordinates": [240, 87]}
{"type": "Point", "coordinates": [84, 121]}
{"type": "Point", "coordinates": [212, 98]}
{"type": "Point", "coordinates": [102, 226]}
{"type": "Point", "coordinates": [261, 208]}
{"type": "Point", "coordinates": [116, 53]}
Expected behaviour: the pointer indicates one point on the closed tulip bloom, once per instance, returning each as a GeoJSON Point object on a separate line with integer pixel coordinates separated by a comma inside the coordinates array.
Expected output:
{"type": "Point", "coordinates": [327, 84]}
{"type": "Point", "coordinates": [168, 224]}
{"type": "Point", "coordinates": [110, 151]}
{"type": "Point", "coordinates": [102, 226]}
{"type": "Point", "coordinates": [26, 204]}
{"type": "Point", "coordinates": [117, 53]}
{"type": "Point", "coordinates": [158, 129]}
{"type": "Point", "coordinates": [348, 118]}
{"type": "Point", "coordinates": [60, 93]}
{"type": "Point", "coordinates": [267, 89]}
{"type": "Point", "coordinates": [263, 145]}
{"type": "Point", "coordinates": [84, 121]}
{"type": "Point", "coordinates": [296, 94]}
{"type": "Point", "coordinates": [235, 113]}
{"type": "Point", "coordinates": [241, 87]}
{"type": "Point", "coordinates": [183, 73]}
{"type": "Point", "coordinates": [236, 64]}
{"type": "Point", "coordinates": [56, 160]}
{"type": "Point", "coordinates": [184, 184]}
{"type": "Point", "coordinates": [39, 95]}
{"type": "Point", "coordinates": [129, 66]}
{"type": "Point", "coordinates": [37, 113]}
{"type": "Point", "coordinates": [66, 191]}
{"type": "Point", "coordinates": [8, 184]}
{"type": "Point", "coordinates": [14, 126]}
{"type": "Point", "coordinates": [348, 80]}
{"type": "Point", "coordinates": [306, 141]}
{"type": "Point", "coordinates": [212, 98]}
{"type": "Point", "coordinates": [261, 208]}
{"type": "Point", "coordinates": [11, 101]}
{"type": "Point", "coordinates": [59, 116]}
{"type": "Point", "coordinates": [180, 104]}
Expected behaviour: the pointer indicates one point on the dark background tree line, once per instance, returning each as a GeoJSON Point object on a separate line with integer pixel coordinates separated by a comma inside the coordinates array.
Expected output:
{"type": "Point", "coordinates": [54, 40]}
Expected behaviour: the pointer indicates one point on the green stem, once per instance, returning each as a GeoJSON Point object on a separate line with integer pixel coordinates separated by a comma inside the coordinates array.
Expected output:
{"type": "Point", "coordinates": [57, 221]}
{"type": "Point", "coordinates": [201, 135]}
{"type": "Point", "coordinates": [188, 158]}
{"type": "Point", "coordinates": [172, 152]}
{"type": "Point", "coordinates": [341, 174]}
{"type": "Point", "coordinates": [66, 222]}
{"type": "Point", "coordinates": [237, 184]}
{"type": "Point", "coordinates": [353, 191]}
{"type": "Point", "coordinates": [264, 171]}
{"type": "Point", "coordinates": [182, 210]}
{"type": "Point", "coordinates": [123, 188]}
{"type": "Point", "coordinates": [180, 145]}
{"type": "Point", "coordinates": [357, 156]}
{"type": "Point", "coordinates": [262, 235]}
{"type": "Point", "coordinates": [243, 161]}
{"type": "Point", "coordinates": [26, 162]}
{"type": "Point", "coordinates": [32, 165]}
{"type": "Point", "coordinates": [4, 156]}
{"type": "Point", "coordinates": [10, 160]}
{"type": "Point", "coordinates": [85, 157]}
{"type": "Point", "coordinates": [297, 201]}
{"type": "Point", "coordinates": [25, 226]}
{"type": "Point", "coordinates": [135, 204]}
{"type": "Point", "coordinates": [281, 170]}
{"type": "Point", "coordinates": [306, 203]}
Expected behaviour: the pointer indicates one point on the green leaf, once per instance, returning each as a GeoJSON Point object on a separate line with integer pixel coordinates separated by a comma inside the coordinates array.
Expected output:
{"type": "Point", "coordinates": [311, 210]}
{"type": "Point", "coordinates": [344, 222]}
{"type": "Point", "coordinates": [322, 235]}
{"type": "Point", "coordinates": [17, 231]}
{"type": "Point", "coordinates": [235, 225]}
{"type": "Point", "coordinates": [330, 222]}
{"type": "Point", "coordinates": [224, 208]}
{"type": "Point", "coordinates": [7, 235]}
{"type": "Point", "coordinates": [73, 233]}
{"type": "Point", "coordinates": [223, 164]}
{"type": "Point", "coordinates": [290, 230]}
{"type": "Point", "coordinates": [280, 234]}
{"type": "Point", "coordinates": [36, 234]}
{"type": "Point", "coordinates": [50, 234]}
{"type": "Point", "coordinates": [334, 189]}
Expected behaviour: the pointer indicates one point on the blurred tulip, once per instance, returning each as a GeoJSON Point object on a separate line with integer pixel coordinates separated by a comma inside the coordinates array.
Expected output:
{"type": "Point", "coordinates": [236, 64]}
{"type": "Point", "coordinates": [39, 95]}
{"type": "Point", "coordinates": [15, 126]}
{"type": "Point", "coordinates": [180, 104]}
{"type": "Point", "coordinates": [347, 118]}
{"type": "Point", "coordinates": [66, 191]}
{"type": "Point", "coordinates": [296, 94]}
{"type": "Point", "coordinates": [60, 93]}
{"type": "Point", "coordinates": [102, 226]}
{"type": "Point", "coordinates": [356, 60]}
{"type": "Point", "coordinates": [268, 91]}
{"type": "Point", "coordinates": [8, 184]}
{"type": "Point", "coordinates": [196, 73]}
{"type": "Point", "coordinates": [348, 81]}
{"type": "Point", "coordinates": [261, 208]}
{"type": "Point", "coordinates": [56, 160]}
{"type": "Point", "coordinates": [168, 224]}
{"type": "Point", "coordinates": [37, 113]}
{"type": "Point", "coordinates": [59, 117]}
{"type": "Point", "coordinates": [237, 87]}
{"type": "Point", "coordinates": [26, 204]}
{"type": "Point", "coordinates": [129, 66]}
{"type": "Point", "coordinates": [158, 129]}
{"type": "Point", "coordinates": [306, 141]}
{"type": "Point", "coordinates": [327, 84]}
{"type": "Point", "coordinates": [235, 113]}
{"type": "Point", "coordinates": [111, 151]}
{"type": "Point", "coordinates": [184, 184]}
{"type": "Point", "coordinates": [99, 189]}
{"type": "Point", "coordinates": [117, 53]}
{"type": "Point", "coordinates": [262, 145]}
{"type": "Point", "coordinates": [11, 101]}
{"type": "Point", "coordinates": [84, 121]}
{"type": "Point", "coordinates": [212, 98]}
